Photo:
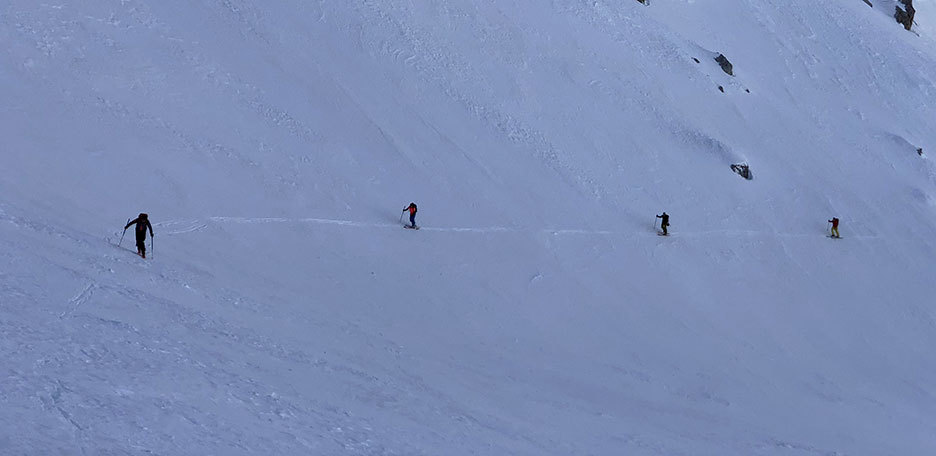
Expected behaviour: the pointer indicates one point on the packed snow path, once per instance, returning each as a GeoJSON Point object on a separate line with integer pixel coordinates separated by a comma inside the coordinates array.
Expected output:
{"type": "Point", "coordinates": [177, 227]}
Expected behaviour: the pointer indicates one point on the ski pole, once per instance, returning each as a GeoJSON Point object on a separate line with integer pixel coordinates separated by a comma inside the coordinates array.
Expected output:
{"type": "Point", "coordinates": [654, 223]}
{"type": "Point", "coordinates": [152, 245]}
{"type": "Point", "coordinates": [401, 215]}
{"type": "Point", "coordinates": [124, 232]}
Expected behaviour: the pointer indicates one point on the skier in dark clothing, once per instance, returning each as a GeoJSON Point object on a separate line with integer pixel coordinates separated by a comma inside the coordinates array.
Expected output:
{"type": "Point", "coordinates": [835, 222]}
{"type": "Point", "coordinates": [412, 214]}
{"type": "Point", "coordinates": [664, 222]}
{"type": "Point", "coordinates": [142, 223]}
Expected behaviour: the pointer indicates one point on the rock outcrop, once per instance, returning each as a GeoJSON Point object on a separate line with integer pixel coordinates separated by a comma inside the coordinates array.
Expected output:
{"type": "Point", "coordinates": [725, 64]}
{"type": "Point", "coordinates": [905, 15]}
{"type": "Point", "coordinates": [743, 170]}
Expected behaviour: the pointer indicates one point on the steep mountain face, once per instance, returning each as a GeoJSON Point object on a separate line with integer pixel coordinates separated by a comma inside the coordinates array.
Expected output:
{"type": "Point", "coordinates": [536, 311]}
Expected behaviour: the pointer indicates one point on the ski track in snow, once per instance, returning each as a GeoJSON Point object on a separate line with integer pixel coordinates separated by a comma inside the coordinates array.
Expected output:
{"type": "Point", "coordinates": [191, 226]}
{"type": "Point", "coordinates": [78, 300]}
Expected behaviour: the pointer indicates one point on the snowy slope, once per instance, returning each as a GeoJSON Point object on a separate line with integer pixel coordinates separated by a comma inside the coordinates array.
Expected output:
{"type": "Point", "coordinates": [536, 312]}
{"type": "Point", "coordinates": [926, 9]}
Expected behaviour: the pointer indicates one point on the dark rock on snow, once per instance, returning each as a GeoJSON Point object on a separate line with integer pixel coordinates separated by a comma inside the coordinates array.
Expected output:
{"type": "Point", "coordinates": [905, 16]}
{"type": "Point", "coordinates": [725, 64]}
{"type": "Point", "coordinates": [743, 170]}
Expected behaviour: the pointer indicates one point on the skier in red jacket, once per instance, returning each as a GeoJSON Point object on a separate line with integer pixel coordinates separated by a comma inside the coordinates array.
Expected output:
{"type": "Point", "coordinates": [412, 214]}
{"type": "Point", "coordinates": [835, 222]}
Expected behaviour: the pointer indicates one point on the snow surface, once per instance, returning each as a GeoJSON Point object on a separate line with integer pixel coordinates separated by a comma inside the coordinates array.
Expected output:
{"type": "Point", "coordinates": [925, 12]}
{"type": "Point", "coordinates": [284, 311]}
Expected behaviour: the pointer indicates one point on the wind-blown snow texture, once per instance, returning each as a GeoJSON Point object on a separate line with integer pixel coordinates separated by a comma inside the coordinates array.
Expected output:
{"type": "Point", "coordinates": [284, 311]}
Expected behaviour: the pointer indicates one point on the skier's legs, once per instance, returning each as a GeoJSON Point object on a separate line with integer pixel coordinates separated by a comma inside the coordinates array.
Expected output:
{"type": "Point", "coordinates": [412, 220]}
{"type": "Point", "coordinates": [835, 231]}
{"type": "Point", "coordinates": [141, 245]}
{"type": "Point", "coordinates": [664, 229]}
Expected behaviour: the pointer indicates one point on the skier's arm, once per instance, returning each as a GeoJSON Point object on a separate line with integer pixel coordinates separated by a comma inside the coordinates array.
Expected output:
{"type": "Point", "coordinates": [132, 223]}
{"type": "Point", "coordinates": [150, 226]}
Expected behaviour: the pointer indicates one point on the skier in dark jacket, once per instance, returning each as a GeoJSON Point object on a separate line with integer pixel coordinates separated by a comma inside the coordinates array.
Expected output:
{"type": "Point", "coordinates": [835, 222]}
{"type": "Point", "coordinates": [142, 223]}
{"type": "Point", "coordinates": [412, 214]}
{"type": "Point", "coordinates": [664, 222]}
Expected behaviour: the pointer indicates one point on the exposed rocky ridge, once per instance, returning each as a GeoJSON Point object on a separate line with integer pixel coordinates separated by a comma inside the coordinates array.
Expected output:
{"type": "Point", "coordinates": [905, 15]}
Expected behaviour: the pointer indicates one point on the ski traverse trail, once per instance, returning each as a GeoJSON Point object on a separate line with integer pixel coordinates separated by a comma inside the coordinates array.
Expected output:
{"type": "Point", "coordinates": [179, 227]}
